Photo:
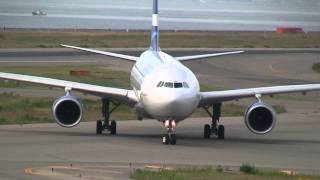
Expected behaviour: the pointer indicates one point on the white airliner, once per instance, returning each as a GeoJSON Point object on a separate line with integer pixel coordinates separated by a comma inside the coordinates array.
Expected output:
{"type": "Point", "coordinates": [162, 89]}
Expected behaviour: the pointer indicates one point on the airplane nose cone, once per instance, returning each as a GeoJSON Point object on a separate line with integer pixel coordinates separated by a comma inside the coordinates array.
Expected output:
{"type": "Point", "coordinates": [173, 105]}
{"type": "Point", "coordinates": [179, 104]}
{"type": "Point", "coordinates": [173, 100]}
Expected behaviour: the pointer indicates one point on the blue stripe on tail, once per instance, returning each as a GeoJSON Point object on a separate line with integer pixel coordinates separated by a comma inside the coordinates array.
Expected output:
{"type": "Point", "coordinates": [155, 28]}
{"type": "Point", "coordinates": [155, 6]}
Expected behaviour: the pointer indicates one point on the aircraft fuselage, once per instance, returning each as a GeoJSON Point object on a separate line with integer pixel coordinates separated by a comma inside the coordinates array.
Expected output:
{"type": "Point", "coordinates": [166, 89]}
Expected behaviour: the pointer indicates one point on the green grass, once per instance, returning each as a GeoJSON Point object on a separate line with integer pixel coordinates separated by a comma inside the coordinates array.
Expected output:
{"type": "Point", "coordinates": [209, 174]}
{"type": "Point", "coordinates": [279, 109]}
{"type": "Point", "coordinates": [16, 109]}
{"type": "Point", "coordinates": [50, 39]}
{"type": "Point", "coordinates": [316, 67]}
{"type": "Point", "coordinates": [248, 169]}
{"type": "Point", "coordinates": [98, 76]}
{"type": "Point", "coordinates": [20, 110]}
{"type": "Point", "coordinates": [206, 88]}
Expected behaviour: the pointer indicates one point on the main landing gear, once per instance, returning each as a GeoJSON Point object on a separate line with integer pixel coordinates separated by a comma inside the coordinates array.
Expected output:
{"type": "Point", "coordinates": [215, 128]}
{"type": "Point", "coordinates": [106, 124]}
{"type": "Point", "coordinates": [170, 137]}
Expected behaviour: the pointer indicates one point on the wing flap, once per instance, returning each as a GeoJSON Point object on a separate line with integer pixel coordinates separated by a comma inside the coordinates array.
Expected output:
{"type": "Point", "coordinates": [121, 56]}
{"type": "Point", "coordinates": [221, 96]}
{"type": "Point", "coordinates": [122, 95]}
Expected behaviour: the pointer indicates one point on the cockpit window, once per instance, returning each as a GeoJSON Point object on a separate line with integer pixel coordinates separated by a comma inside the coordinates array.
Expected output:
{"type": "Point", "coordinates": [173, 85]}
{"type": "Point", "coordinates": [185, 85]}
{"type": "Point", "coordinates": [168, 84]}
{"type": "Point", "coordinates": [178, 85]}
{"type": "Point", "coordinates": [160, 84]}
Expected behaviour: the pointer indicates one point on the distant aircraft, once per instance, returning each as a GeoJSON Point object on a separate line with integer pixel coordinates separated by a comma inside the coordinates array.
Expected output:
{"type": "Point", "coordinates": [162, 89]}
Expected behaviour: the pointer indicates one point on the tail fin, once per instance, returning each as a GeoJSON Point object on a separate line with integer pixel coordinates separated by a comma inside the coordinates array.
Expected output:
{"type": "Point", "coordinates": [155, 29]}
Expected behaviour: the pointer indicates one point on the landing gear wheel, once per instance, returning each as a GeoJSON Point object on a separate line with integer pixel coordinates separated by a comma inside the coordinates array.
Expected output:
{"type": "Point", "coordinates": [220, 132]}
{"type": "Point", "coordinates": [165, 139]}
{"type": "Point", "coordinates": [173, 139]}
{"type": "Point", "coordinates": [113, 128]}
{"type": "Point", "coordinates": [105, 124]}
{"type": "Point", "coordinates": [99, 127]}
{"type": "Point", "coordinates": [170, 137]}
{"type": "Point", "coordinates": [206, 131]}
{"type": "Point", "coordinates": [215, 129]}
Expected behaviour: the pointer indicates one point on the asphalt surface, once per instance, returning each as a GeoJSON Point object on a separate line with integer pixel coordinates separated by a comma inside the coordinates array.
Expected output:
{"type": "Point", "coordinates": [47, 151]}
{"type": "Point", "coordinates": [294, 145]}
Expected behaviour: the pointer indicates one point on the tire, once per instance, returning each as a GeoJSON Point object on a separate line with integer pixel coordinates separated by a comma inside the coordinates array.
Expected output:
{"type": "Point", "coordinates": [99, 127]}
{"type": "Point", "coordinates": [206, 131]}
{"type": "Point", "coordinates": [221, 132]}
{"type": "Point", "coordinates": [113, 128]}
{"type": "Point", "coordinates": [173, 139]}
{"type": "Point", "coordinates": [165, 139]}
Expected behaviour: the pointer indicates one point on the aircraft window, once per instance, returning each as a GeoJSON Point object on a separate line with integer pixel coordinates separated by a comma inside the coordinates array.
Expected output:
{"type": "Point", "coordinates": [168, 84]}
{"type": "Point", "coordinates": [173, 85]}
{"type": "Point", "coordinates": [178, 85]}
{"type": "Point", "coordinates": [160, 84]}
{"type": "Point", "coordinates": [185, 85]}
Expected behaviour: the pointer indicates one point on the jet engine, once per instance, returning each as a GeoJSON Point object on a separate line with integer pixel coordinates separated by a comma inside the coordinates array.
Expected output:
{"type": "Point", "coordinates": [260, 118]}
{"type": "Point", "coordinates": [67, 111]}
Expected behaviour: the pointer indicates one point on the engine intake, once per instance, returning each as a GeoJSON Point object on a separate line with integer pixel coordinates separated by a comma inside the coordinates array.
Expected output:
{"type": "Point", "coordinates": [67, 111]}
{"type": "Point", "coordinates": [260, 118]}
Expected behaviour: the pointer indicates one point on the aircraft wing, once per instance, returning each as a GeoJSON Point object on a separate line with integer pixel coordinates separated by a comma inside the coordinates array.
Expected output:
{"type": "Point", "coordinates": [208, 98]}
{"type": "Point", "coordinates": [194, 57]}
{"type": "Point", "coordinates": [121, 95]}
{"type": "Point", "coordinates": [121, 56]}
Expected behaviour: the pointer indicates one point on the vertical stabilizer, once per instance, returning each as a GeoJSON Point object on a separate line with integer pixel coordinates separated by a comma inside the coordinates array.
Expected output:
{"type": "Point", "coordinates": [155, 29]}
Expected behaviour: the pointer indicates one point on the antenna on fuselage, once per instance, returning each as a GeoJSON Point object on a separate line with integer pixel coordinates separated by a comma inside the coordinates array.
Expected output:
{"type": "Point", "coordinates": [155, 28]}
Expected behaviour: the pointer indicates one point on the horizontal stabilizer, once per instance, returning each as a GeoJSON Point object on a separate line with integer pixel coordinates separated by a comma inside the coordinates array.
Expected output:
{"type": "Point", "coordinates": [194, 57]}
{"type": "Point", "coordinates": [121, 56]}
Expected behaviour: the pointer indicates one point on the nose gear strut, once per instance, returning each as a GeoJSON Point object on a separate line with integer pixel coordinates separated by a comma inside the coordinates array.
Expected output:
{"type": "Point", "coordinates": [170, 137]}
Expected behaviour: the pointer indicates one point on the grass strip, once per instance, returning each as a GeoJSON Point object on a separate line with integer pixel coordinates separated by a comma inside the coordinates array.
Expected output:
{"type": "Point", "coordinates": [209, 173]}
{"type": "Point", "coordinates": [119, 39]}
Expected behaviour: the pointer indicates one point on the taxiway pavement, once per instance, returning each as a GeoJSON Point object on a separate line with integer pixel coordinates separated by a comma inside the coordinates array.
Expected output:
{"type": "Point", "coordinates": [294, 145]}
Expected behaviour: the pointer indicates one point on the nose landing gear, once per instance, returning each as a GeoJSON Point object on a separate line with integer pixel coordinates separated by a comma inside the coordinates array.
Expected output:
{"type": "Point", "coordinates": [170, 137]}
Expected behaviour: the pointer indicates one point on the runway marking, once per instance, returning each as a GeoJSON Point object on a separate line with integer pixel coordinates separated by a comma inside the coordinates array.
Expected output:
{"type": "Point", "coordinates": [28, 171]}
{"type": "Point", "coordinates": [54, 171]}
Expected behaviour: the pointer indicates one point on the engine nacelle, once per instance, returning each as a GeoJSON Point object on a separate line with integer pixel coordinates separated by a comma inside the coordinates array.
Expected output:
{"type": "Point", "coordinates": [260, 118]}
{"type": "Point", "coordinates": [67, 111]}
